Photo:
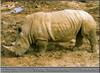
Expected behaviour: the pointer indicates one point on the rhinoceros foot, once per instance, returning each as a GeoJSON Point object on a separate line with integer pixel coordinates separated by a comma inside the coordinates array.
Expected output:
{"type": "Point", "coordinates": [76, 48]}
{"type": "Point", "coordinates": [92, 51]}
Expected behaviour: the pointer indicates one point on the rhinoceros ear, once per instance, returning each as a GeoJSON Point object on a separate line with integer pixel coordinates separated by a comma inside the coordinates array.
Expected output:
{"type": "Point", "coordinates": [19, 26]}
{"type": "Point", "coordinates": [19, 29]}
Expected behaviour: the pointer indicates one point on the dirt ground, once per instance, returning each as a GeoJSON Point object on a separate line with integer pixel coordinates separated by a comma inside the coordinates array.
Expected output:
{"type": "Point", "coordinates": [56, 55]}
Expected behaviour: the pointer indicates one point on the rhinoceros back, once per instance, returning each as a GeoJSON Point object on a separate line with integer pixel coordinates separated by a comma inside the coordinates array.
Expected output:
{"type": "Point", "coordinates": [65, 24]}
{"type": "Point", "coordinates": [56, 26]}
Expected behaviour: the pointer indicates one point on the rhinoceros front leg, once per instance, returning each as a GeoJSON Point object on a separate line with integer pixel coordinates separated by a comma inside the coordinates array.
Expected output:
{"type": "Point", "coordinates": [41, 45]}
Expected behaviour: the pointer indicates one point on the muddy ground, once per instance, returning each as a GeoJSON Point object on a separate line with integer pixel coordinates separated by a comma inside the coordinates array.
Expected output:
{"type": "Point", "coordinates": [56, 55]}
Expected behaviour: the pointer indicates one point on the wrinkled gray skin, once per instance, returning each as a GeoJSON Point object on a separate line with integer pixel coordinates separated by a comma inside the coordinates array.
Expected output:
{"type": "Point", "coordinates": [58, 26]}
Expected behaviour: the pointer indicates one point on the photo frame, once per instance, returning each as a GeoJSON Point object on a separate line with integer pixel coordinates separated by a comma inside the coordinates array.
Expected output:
{"type": "Point", "coordinates": [60, 55]}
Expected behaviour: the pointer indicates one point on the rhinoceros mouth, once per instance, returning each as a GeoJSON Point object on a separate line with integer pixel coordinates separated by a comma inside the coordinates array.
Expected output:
{"type": "Point", "coordinates": [10, 50]}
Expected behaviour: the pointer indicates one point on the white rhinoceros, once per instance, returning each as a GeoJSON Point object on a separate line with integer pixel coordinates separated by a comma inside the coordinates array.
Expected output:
{"type": "Point", "coordinates": [60, 26]}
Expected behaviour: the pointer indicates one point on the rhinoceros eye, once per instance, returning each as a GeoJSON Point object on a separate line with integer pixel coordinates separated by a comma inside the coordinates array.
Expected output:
{"type": "Point", "coordinates": [17, 45]}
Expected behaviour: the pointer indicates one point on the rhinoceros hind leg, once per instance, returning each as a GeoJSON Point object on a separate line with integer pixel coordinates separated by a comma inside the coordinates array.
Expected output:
{"type": "Point", "coordinates": [92, 39]}
{"type": "Point", "coordinates": [79, 41]}
{"type": "Point", "coordinates": [41, 46]}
